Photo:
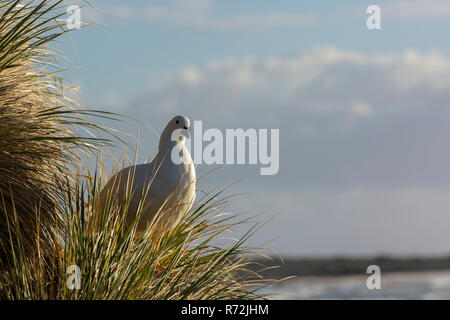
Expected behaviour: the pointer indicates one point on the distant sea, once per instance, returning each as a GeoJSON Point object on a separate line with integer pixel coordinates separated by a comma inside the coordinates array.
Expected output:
{"type": "Point", "coordinates": [394, 285]}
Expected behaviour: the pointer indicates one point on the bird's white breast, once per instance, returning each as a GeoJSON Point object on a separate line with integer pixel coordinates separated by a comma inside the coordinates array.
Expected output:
{"type": "Point", "coordinates": [160, 186]}
{"type": "Point", "coordinates": [173, 185]}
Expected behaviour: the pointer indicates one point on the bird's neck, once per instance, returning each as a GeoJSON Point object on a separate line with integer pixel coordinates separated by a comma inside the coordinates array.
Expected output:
{"type": "Point", "coordinates": [166, 144]}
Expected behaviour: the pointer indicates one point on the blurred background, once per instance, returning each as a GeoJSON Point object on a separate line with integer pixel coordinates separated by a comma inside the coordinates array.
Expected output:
{"type": "Point", "coordinates": [363, 118]}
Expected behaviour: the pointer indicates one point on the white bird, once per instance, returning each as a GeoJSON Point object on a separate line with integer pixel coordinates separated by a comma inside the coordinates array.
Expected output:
{"type": "Point", "coordinates": [164, 186]}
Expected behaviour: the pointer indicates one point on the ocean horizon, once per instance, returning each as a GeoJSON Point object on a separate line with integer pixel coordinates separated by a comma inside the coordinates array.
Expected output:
{"type": "Point", "coordinates": [423, 285]}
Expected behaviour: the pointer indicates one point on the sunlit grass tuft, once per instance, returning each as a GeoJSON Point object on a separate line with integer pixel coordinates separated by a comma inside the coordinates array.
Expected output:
{"type": "Point", "coordinates": [183, 262]}
{"type": "Point", "coordinates": [48, 220]}
{"type": "Point", "coordinates": [187, 261]}
{"type": "Point", "coordinates": [38, 146]}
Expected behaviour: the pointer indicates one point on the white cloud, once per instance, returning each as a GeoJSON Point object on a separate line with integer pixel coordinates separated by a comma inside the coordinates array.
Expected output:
{"type": "Point", "coordinates": [122, 11]}
{"type": "Point", "coordinates": [361, 109]}
{"type": "Point", "coordinates": [191, 75]}
{"type": "Point", "coordinates": [417, 9]}
{"type": "Point", "coordinates": [318, 87]}
{"type": "Point", "coordinates": [256, 22]}
{"type": "Point", "coordinates": [200, 15]}
{"type": "Point", "coordinates": [353, 117]}
{"type": "Point", "coordinates": [244, 78]}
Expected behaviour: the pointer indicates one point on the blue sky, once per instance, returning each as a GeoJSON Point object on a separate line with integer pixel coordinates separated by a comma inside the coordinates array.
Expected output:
{"type": "Point", "coordinates": [160, 45]}
{"type": "Point", "coordinates": [363, 115]}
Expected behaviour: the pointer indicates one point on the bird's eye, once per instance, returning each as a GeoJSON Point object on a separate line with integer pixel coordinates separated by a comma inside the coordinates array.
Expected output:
{"type": "Point", "coordinates": [177, 122]}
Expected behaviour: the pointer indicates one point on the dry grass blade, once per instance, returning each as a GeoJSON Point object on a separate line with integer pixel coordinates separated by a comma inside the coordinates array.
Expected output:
{"type": "Point", "coordinates": [37, 146]}
{"type": "Point", "coordinates": [48, 220]}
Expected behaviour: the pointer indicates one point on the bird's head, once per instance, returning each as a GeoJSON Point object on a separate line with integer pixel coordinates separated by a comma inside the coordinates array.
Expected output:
{"type": "Point", "coordinates": [176, 130]}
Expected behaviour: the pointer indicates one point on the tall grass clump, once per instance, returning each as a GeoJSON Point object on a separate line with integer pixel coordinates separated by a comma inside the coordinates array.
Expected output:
{"type": "Point", "coordinates": [37, 147]}
{"type": "Point", "coordinates": [183, 262]}
{"type": "Point", "coordinates": [47, 194]}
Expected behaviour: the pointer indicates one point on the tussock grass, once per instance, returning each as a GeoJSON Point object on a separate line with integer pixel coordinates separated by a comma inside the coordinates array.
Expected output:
{"type": "Point", "coordinates": [47, 218]}
{"type": "Point", "coordinates": [37, 147]}
{"type": "Point", "coordinates": [117, 264]}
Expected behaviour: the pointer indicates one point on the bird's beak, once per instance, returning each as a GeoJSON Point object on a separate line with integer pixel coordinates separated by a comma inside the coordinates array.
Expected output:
{"type": "Point", "coordinates": [186, 133]}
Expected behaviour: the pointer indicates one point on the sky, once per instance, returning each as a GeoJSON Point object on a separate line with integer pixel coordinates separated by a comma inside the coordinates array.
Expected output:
{"type": "Point", "coordinates": [363, 114]}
